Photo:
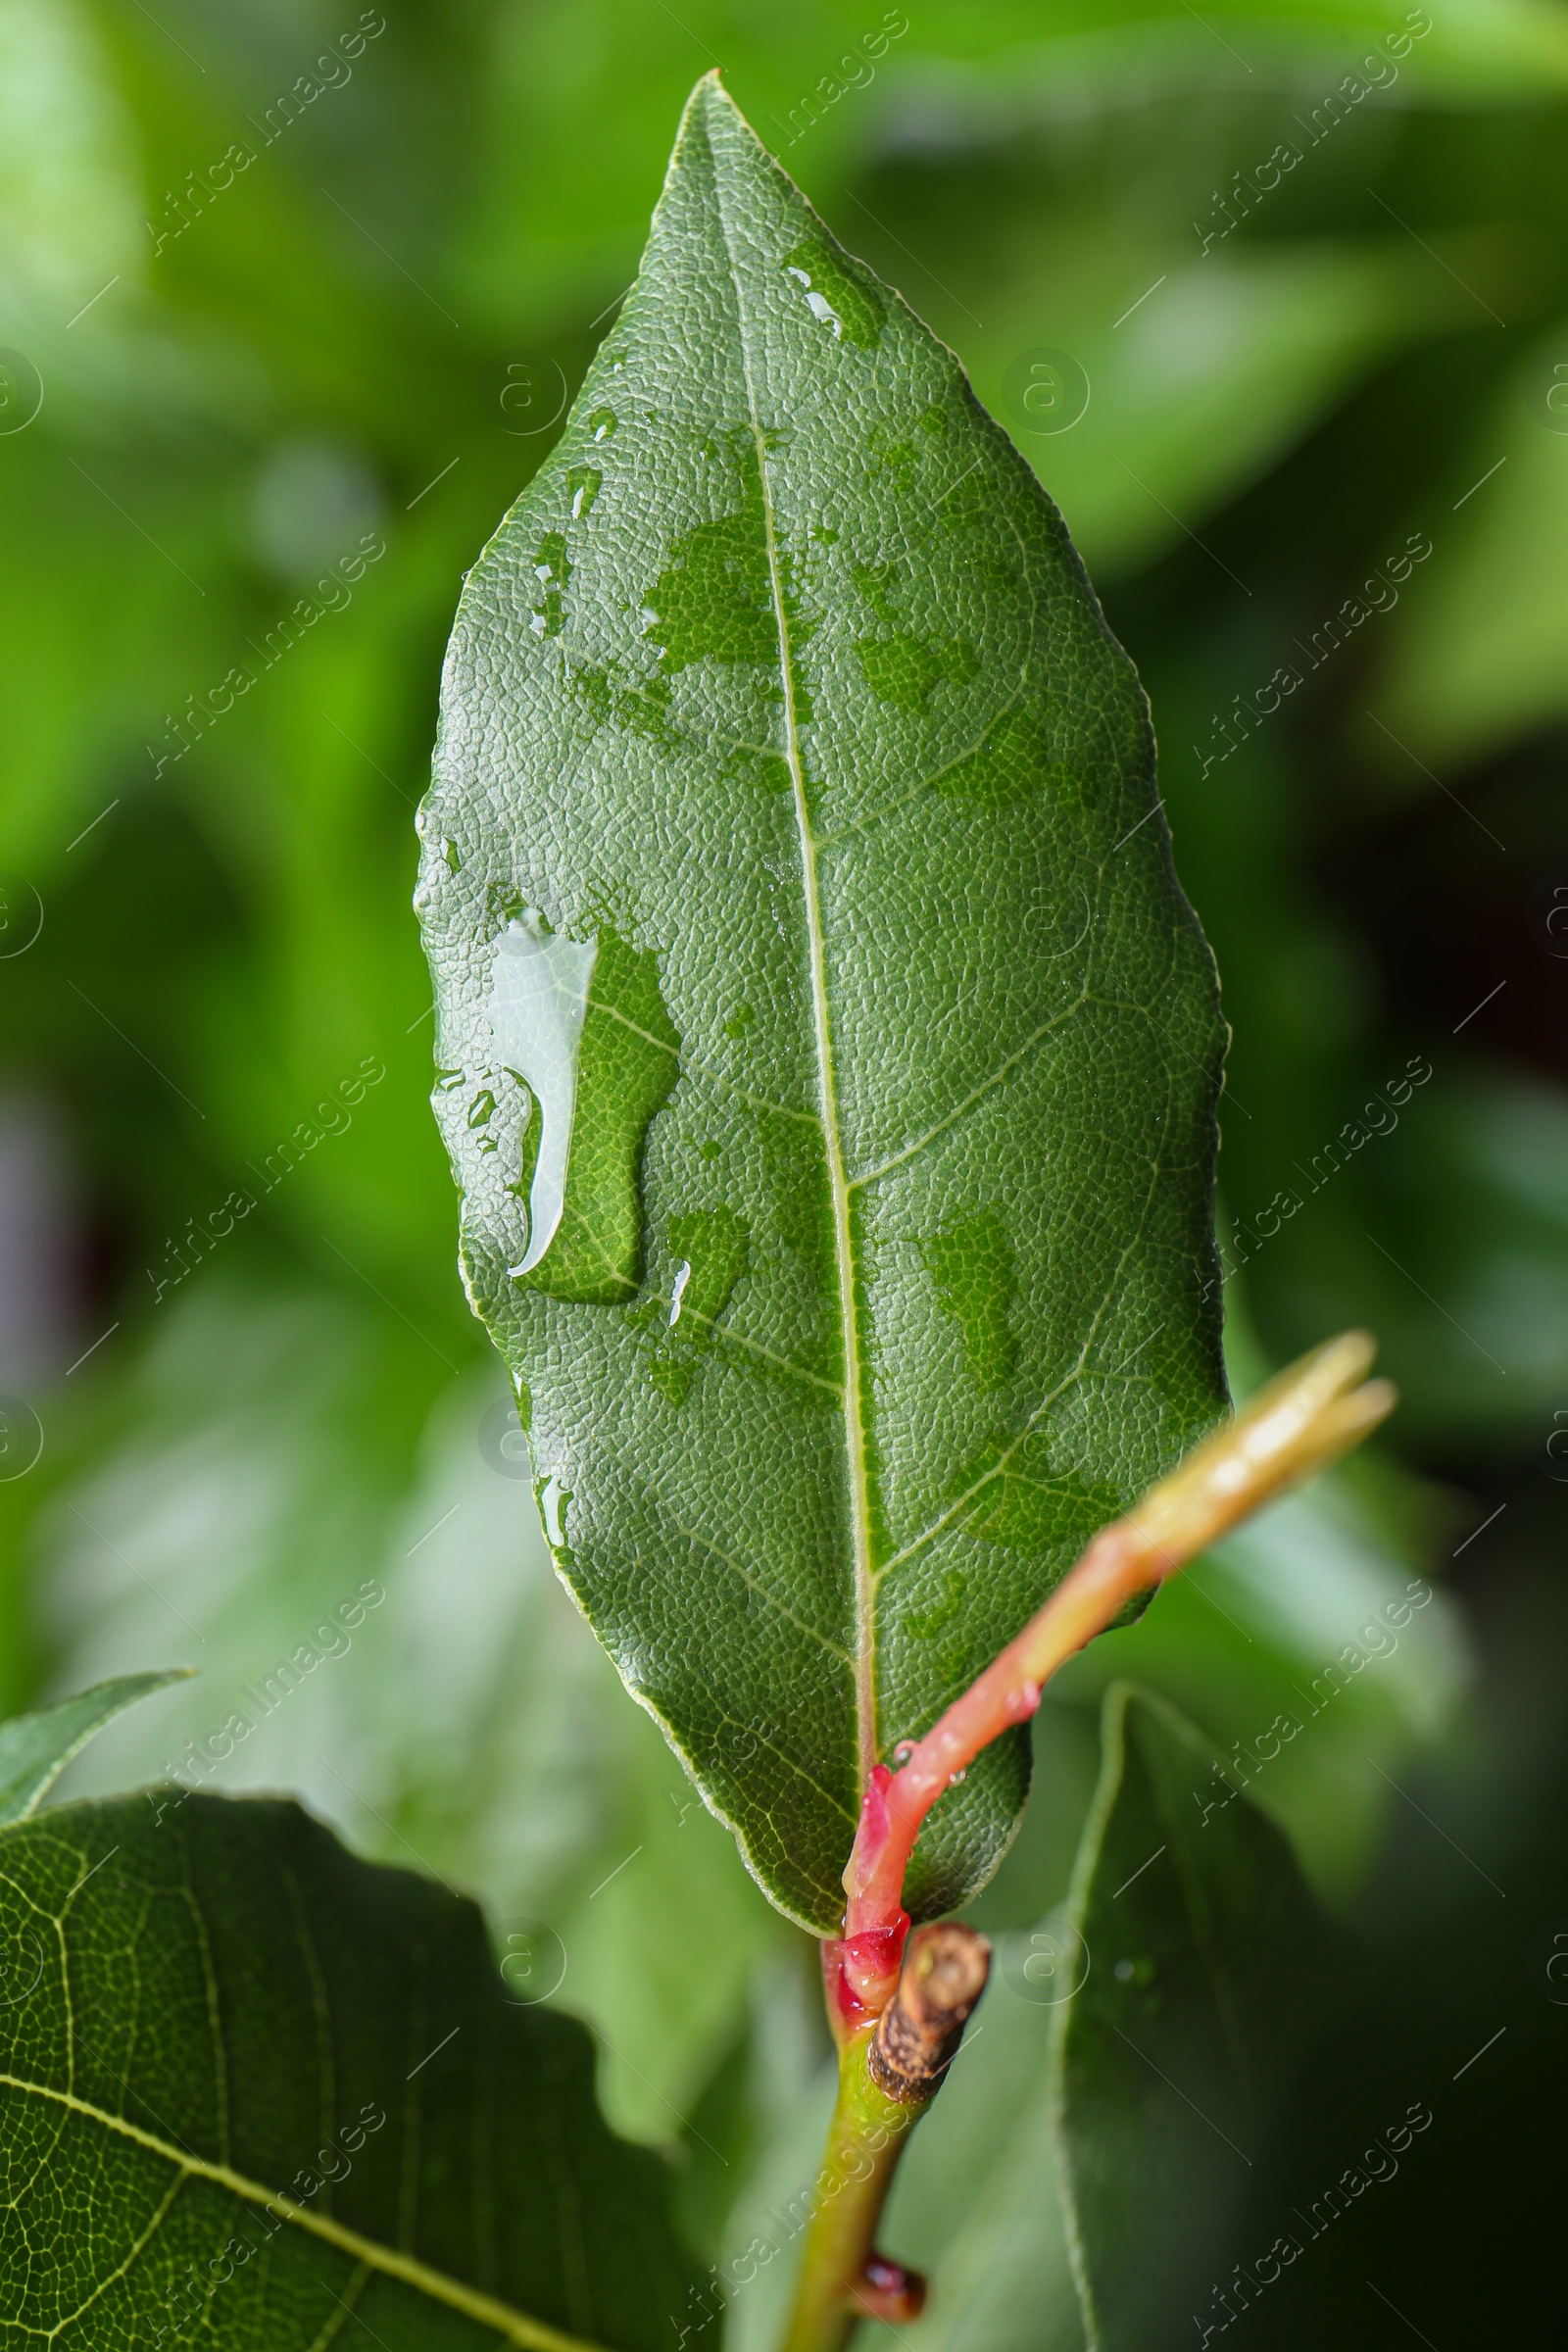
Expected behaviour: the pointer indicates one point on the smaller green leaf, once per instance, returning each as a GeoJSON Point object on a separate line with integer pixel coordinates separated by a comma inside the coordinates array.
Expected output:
{"type": "Point", "coordinates": [34, 1749]}
{"type": "Point", "coordinates": [1205, 1950]}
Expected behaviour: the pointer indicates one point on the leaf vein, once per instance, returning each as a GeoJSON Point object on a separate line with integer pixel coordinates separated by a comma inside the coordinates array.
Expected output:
{"type": "Point", "coordinates": [855, 1435]}
{"type": "Point", "coordinates": [1052, 1396]}
{"type": "Point", "coordinates": [514, 2326]}
{"type": "Point", "coordinates": [332, 2326]}
{"type": "Point", "coordinates": [975, 1095]}
{"type": "Point", "coordinates": [771, 1600]}
{"type": "Point", "coordinates": [121, 2270]}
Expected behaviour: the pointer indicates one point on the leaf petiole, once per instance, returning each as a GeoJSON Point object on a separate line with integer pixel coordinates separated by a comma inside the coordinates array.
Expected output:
{"type": "Point", "coordinates": [1299, 1423]}
{"type": "Point", "coordinates": [890, 2069]}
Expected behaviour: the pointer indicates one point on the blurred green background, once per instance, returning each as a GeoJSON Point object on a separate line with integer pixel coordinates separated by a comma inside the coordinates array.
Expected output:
{"type": "Point", "coordinates": [219, 379]}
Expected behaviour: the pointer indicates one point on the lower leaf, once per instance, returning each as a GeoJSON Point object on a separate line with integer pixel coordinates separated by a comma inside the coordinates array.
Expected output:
{"type": "Point", "coordinates": [1206, 1954]}
{"type": "Point", "coordinates": [256, 2092]}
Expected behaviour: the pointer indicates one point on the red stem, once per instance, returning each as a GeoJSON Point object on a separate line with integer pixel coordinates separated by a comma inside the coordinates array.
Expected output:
{"type": "Point", "coordinates": [1304, 1419]}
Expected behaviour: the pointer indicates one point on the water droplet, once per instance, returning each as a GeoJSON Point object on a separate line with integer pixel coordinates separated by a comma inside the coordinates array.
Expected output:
{"type": "Point", "coordinates": [839, 299]}
{"type": "Point", "coordinates": [903, 1752]}
{"type": "Point", "coordinates": [553, 1500]}
{"type": "Point", "coordinates": [904, 668]}
{"type": "Point", "coordinates": [601, 422]}
{"type": "Point", "coordinates": [924, 1625]}
{"type": "Point", "coordinates": [821, 309]}
{"type": "Point", "coordinates": [711, 1248]}
{"type": "Point", "coordinates": [1015, 758]}
{"type": "Point", "coordinates": [1122, 1971]}
{"type": "Point", "coordinates": [538, 1000]}
{"type": "Point", "coordinates": [954, 1777]}
{"type": "Point", "coordinates": [714, 597]}
{"type": "Point", "coordinates": [583, 481]}
{"type": "Point", "coordinates": [551, 570]}
{"type": "Point", "coordinates": [585, 1029]}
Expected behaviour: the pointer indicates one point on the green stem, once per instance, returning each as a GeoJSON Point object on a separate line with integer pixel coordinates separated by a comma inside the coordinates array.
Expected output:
{"type": "Point", "coordinates": [865, 2142]}
{"type": "Point", "coordinates": [1305, 1418]}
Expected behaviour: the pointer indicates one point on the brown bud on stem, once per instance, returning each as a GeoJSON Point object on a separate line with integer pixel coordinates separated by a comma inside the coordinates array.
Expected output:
{"type": "Point", "coordinates": [918, 2033]}
{"type": "Point", "coordinates": [887, 2290]}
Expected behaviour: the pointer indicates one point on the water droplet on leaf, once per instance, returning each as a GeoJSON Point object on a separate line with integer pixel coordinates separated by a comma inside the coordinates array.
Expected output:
{"type": "Point", "coordinates": [713, 1248]}
{"type": "Point", "coordinates": [553, 1500]}
{"type": "Point", "coordinates": [584, 1026]}
{"type": "Point", "coordinates": [538, 1001]}
{"type": "Point", "coordinates": [838, 298]}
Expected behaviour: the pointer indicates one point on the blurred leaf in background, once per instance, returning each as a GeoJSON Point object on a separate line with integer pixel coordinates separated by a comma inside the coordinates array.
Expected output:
{"type": "Point", "coordinates": [285, 285]}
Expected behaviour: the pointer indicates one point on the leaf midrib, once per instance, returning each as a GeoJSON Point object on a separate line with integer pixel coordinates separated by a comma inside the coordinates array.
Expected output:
{"type": "Point", "coordinates": [537, 2335]}
{"type": "Point", "coordinates": [821, 1020]}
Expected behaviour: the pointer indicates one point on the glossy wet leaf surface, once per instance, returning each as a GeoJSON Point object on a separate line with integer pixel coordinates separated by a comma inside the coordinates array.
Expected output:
{"type": "Point", "coordinates": [785, 751]}
{"type": "Point", "coordinates": [255, 2093]}
{"type": "Point", "coordinates": [1207, 1963]}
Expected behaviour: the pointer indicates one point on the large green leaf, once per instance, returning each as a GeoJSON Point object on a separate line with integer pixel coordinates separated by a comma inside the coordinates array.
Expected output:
{"type": "Point", "coordinates": [34, 1749]}
{"type": "Point", "coordinates": [253, 2089]}
{"type": "Point", "coordinates": [827, 1055]}
{"type": "Point", "coordinates": [1205, 1957]}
